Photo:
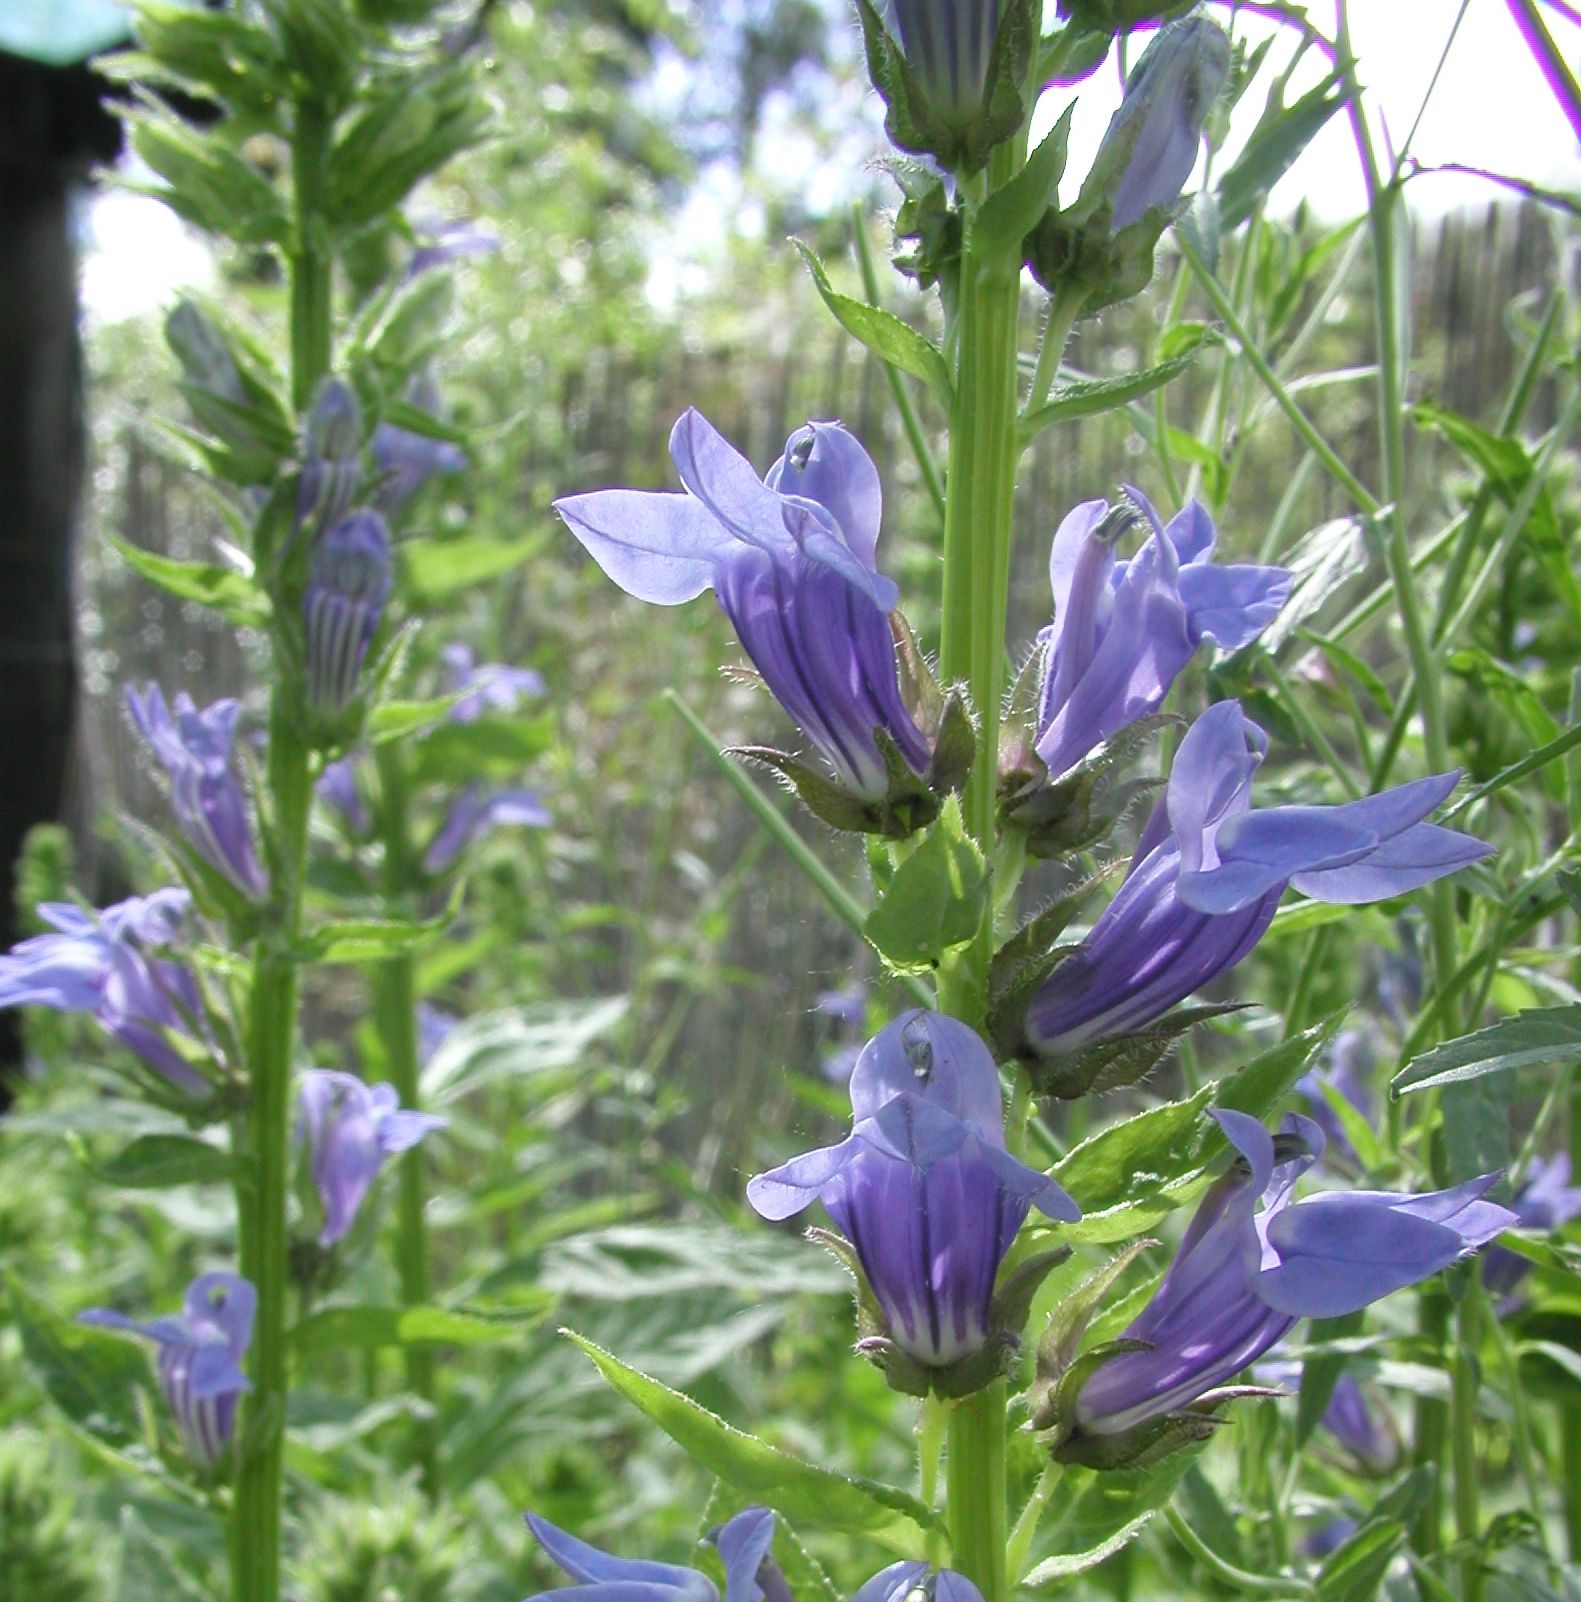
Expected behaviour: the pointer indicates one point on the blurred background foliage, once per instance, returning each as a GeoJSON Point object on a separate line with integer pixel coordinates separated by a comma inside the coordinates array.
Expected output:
{"type": "Point", "coordinates": [640, 981]}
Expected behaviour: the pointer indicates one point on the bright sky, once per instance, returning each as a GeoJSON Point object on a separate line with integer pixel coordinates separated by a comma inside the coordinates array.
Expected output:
{"type": "Point", "coordinates": [1491, 109]}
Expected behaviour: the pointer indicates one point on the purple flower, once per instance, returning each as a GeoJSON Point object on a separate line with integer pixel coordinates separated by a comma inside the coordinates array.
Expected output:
{"type": "Point", "coordinates": [490, 686]}
{"type": "Point", "coordinates": [923, 1186]}
{"type": "Point", "coordinates": [1208, 874]}
{"type": "Point", "coordinates": [348, 584]}
{"type": "Point", "coordinates": [332, 459]}
{"type": "Point", "coordinates": [1151, 144]}
{"type": "Point", "coordinates": [1546, 1202]}
{"type": "Point", "coordinates": [1123, 631]}
{"type": "Point", "coordinates": [339, 790]}
{"type": "Point", "coordinates": [194, 748]}
{"type": "Point", "coordinates": [100, 963]}
{"type": "Point", "coordinates": [477, 812]}
{"type": "Point", "coordinates": [948, 44]}
{"type": "Point", "coordinates": [1245, 1274]}
{"type": "Point", "coordinates": [407, 460]}
{"type": "Point", "coordinates": [1358, 1427]}
{"type": "Point", "coordinates": [790, 560]}
{"type": "Point", "coordinates": [352, 1129]}
{"type": "Point", "coordinates": [200, 1354]}
{"type": "Point", "coordinates": [1349, 1071]}
{"type": "Point", "coordinates": [447, 242]}
{"type": "Point", "coordinates": [434, 1027]}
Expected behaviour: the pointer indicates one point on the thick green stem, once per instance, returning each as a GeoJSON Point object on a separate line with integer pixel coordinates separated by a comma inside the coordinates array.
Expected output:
{"type": "Point", "coordinates": [395, 1019]}
{"type": "Point", "coordinates": [1463, 1416]}
{"type": "Point", "coordinates": [261, 1204]}
{"type": "Point", "coordinates": [979, 1519]}
{"type": "Point", "coordinates": [311, 261]}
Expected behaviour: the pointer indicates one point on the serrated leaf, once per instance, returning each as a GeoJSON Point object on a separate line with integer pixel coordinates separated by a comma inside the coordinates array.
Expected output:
{"type": "Point", "coordinates": [373, 939]}
{"type": "Point", "coordinates": [1087, 397]}
{"type": "Point", "coordinates": [362, 1328]}
{"type": "Point", "coordinates": [154, 1162]}
{"type": "Point", "coordinates": [803, 1492]}
{"type": "Point", "coordinates": [1010, 213]}
{"type": "Point", "coordinates": [1532, 1039]}
{"type": "Point", "coordinates": [937, 898]}
{"type": "Point", "coordinates": [884, 334]}
{"type": "Point", "coordinates": [233, 595]}
{"type": "Point", "coordinates": [1282, 133]}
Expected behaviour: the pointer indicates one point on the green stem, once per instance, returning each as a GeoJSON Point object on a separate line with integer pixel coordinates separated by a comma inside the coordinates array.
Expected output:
{"type": "Point", "coordinates": [1063, 311]}
{"type": "Point", "coordinates": [1430, 1426]}
{"type": "Point", "coordinates": [311, 310]}
{"type": "Point", "coordinates": [1021, 1537]}
{"type": "Point", "coordinates": [931, 1430]}
{"type": "Point", "coordinates": [395, 1019]}
{"type": "Point", "coordinates": [1239, 1579]}
{"type": "Point", "coordinates": [977, 1500]}
{"type": "Point", "coordinates": [261, 1205]}
{"type": "Point", "coordinates": [1463, 1427]}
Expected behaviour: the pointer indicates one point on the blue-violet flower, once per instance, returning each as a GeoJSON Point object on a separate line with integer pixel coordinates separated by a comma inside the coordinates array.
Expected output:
{"type": "Point", "coordinates": [477, 812]}
{"type": "Point", "coordinates": [922, 1186]}
{"type": "Point", "coordinates": [200, 1354]}
{"type": "Point", "coordinates": [489, 686]}
{"type": "Point", "coordinates": [348, 584]}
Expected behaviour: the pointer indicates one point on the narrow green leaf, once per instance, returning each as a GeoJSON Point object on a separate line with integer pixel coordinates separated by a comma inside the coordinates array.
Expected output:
{"type": "Point", "coordinates": [1354, 1571]}
{"type": "Point", "coordinates": [884, 334]}
{"type": "Point", "coordinates": [154, 1162]}
{"type": "Point", "coordinates": [434, 568]}
{"type": "Point", "coordinates": [337, 1328]}
{"type": "Point", "coordinates": [1282, 133]}
{"type": "Point", "coordinates": [90, 1374]}
{"type": "Point", "coordinates": [1531, 1039]}
{"type": "Point", "coordinates": [803, 1492]}
{"type": "Point", "coordinates": [233, 595]}
{"type": "Point", "coordinates": [148, 1570]}
{"type": "Point", "coordinates": [372, 939]}
{"type": "Point", "coordinates": [1086, 397]}
{"type": "Point", "coordinates": [1011, 213]}
{"type": "Point", "coordinates": [936, 899]}
{"type": "Point", "coordinates": [1102, 1512]}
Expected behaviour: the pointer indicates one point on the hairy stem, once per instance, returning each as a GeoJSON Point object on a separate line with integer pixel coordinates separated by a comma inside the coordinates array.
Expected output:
{"type": "Point", "coordinates": [977, 1498]}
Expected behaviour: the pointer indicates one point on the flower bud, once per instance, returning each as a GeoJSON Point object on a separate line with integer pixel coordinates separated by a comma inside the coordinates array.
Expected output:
{"type": "Point", "coordinates": [348, 584]}
{"type": "Point", "coordinates": [332, 462]}
{"type": "Point", "coordinates": [948, 45]}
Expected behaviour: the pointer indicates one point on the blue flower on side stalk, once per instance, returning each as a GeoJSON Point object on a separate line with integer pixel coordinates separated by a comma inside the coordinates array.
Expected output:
{"type": "Point", "coordinates": [1253, 1263]}
{"type": "Point", "coordinates": [1123, 631]}
{"type": "Point", "coordinates": [194, 748]}
{"type": "Point", "coordinates": [751, 1574]}
{"type": "Point", "coordinates": [339, 790]}
{"type": "Point", "coordinates": [102, 963]}
{"type": "Point", "coordinates": [925, 1192]}
{"type": "Point", "coordinates": [352, 1130]}
{"type": "Point", "coordinates": [1152, 141]}
{"type": "Point", "coordinates": [406, 460]}
{"type": "Point", "coordinates": [1208, 875]}
{"type": "Point", "coordinates": [790, 559]}
{"type": "Point", "coordinates": [348, 584]}
{"type": "Point", "coordinates": [200, 1355]}
{"type": "Point", "coordinates": [489, 686]}
{"type": "Point", "coordinates": [478, 812]}
{"type": "Point", "coordinates": [1546, 1202]}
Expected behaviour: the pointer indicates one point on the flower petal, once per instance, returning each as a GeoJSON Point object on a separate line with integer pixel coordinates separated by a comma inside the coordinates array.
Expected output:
{"type": "Point", "coordinates": [1406, 862]}
{"type": "Point", "coordinates": [840, 476]}
{"type": "Point", "coordinates": [656, 545]}
{"type": "Point", "coordinates": [787, 1189]}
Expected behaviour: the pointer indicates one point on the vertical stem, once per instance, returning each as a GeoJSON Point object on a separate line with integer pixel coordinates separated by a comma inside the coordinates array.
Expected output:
{"type": "Point", "coordinates": [978, 1514]}
{"type": "Point", "coordinates": [395, 1019]}
{"type": "Point", "coordinates": [272, 1005]}
{"type": "Point", "coordinates": [261, 1207]}
{"type": "Point", "coordinates": [1463, 1418]}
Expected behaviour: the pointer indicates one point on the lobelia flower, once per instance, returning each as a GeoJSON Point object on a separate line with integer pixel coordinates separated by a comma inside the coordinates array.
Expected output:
{"type": "Point", "coordinates": [434, 1027]}
{"type": "Point", "coordinates": [1348, 1417]}
{"type": "Point", "coordinates": [332, 459]}
{"type": "Point", "coordinates": [1152, 140]}
{"type": "Point", "coordinates": [407, 460]}
{"type": "Point", "coordinates": [490, 686]}
{"type": "Point", "coordinates": [101, 963]}
{"type": "Point", "coordinates": [194, 748]}
{"type": "Point", "coordinates": [348, 584]}
{"type": "Point", "coordinates": [200, 1354]}
{"type": "Point", "coordinates": [923, 1187]}
{"type": "Point", "coordinates": [352, 1130]}
{"type": "Point", "coordinates": [1123, 631]}
{"type": "Point", "coordinates": [751, 1574]}
{"type": "Point", "coordinates": [477, 812]}
{"type": "Point", "coordinates": [1546, 1202]}
{"type": "Point", "coordinates": [790, 559]}
{"type": "Point", "coordinates": [1207, 877]}
{"type": "Point", "coordinates": [949, 45]}
{"type": "Point", "coordinates": [1349, 1071]}
{"type": "Point", "coordinates": [445, 242]}
{"type": "Point", "coordinates": [1252, 1263]}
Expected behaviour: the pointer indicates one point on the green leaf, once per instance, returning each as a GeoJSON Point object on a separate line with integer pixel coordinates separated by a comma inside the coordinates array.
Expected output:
{"type": "Point", "coordinates": [936, 899]}
{"type": "Point", "coordinates": [148, 1570]}
{"type": "Point", "coordinates": [91, 1375]}
{"type": "Point", "coordinates": [337, 1328]}
{"type": "Point", "coordinates": [373, 939]}
{"type": "Point", "coordinates": [804, 1493]}
{"type": "Point", "coordinates": [154, 1162]}
{"type": "Point", "coordinates": [485, 748]}
{"type": "Point", "coordinates": [390, 720]}
{"type": "Point", "coordinates": [1281, 134]}
{"type": "Point", "coordinates": [1355, 1570]}
{"type": "Point", "coordinates": [1530, 1039]}
{"type": "Point", "coordinates": [896, 342]}
{"type": "Point", "coordinates": [1086, 397]}
{"type": "Point", "coordinates": [433, 568]}
{"type": "Point", "coordinates": [1104, 1511]}
{"type": "Point", "coordinates": [233, 595]}
{"type": "Point", "coordinates": [1011, 213]}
